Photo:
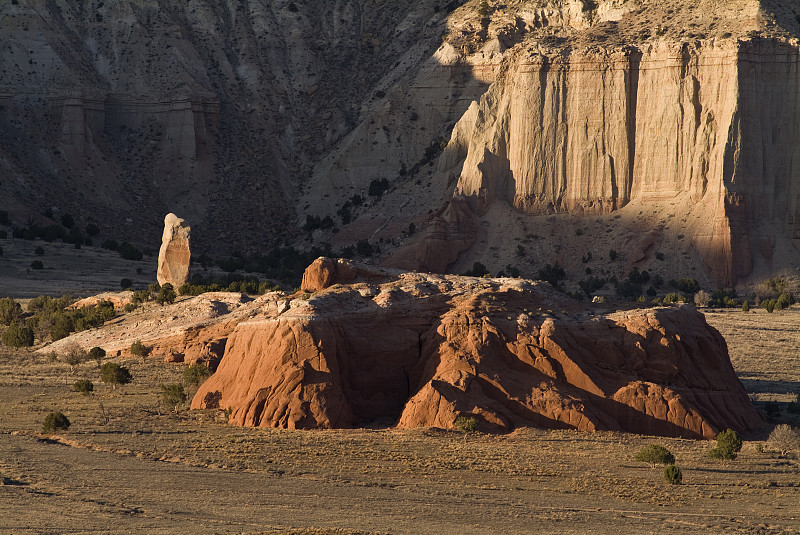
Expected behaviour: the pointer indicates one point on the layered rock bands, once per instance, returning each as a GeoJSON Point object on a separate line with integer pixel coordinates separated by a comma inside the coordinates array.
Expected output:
{"type": "Point", "coordinates": [411, 350]}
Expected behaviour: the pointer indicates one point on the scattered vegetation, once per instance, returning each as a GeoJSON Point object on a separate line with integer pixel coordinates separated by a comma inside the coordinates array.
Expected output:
{"type": "Point", "coordinates": [672, 474]}
{"type": "Point", "coordinates": [655, 454]}
{"type": "Point", "coordinates": [466, 424]}
{"type": "Point", "coordinates": [55, 421]}
{"type": "Point", "coordinates": [138, 349]}
{"type": "Point", "coordinates": [173, 395]}
{"type": "Point", "coordinates": [478, 270]}
{"type": "Point", "coordinates": [196, 374]}
{"type": "Point", "coordinates": [729, 443]}
{"type": "Point", "coordinates": [166, 295]}
{"type": "Point", "coordinates": [18, 335]}
{"type": "Point", "coordinates": [113, 374]}
{"type": "Point", "coordinates": [84, 386]}
{"type": "Point", "coordinates": [10, 311]}
{"type": "Point", "coordinates": [784, 438]}
{"type": "Point", "coordinates": [97, 354]}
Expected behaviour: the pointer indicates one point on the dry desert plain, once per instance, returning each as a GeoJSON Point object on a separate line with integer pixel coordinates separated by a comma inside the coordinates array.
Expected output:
{"type": "Point", "coordinates": [129, 464]}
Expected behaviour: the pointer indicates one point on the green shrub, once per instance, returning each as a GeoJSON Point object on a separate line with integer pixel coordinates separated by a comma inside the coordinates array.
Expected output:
{"type": "Point", "coordinates": [39, 251]}
{"type": "Point", "coordinates": [673, 475]}
{"type": "Point", "coordinates": [166, 295]}
{"type": "Point", "coordinates": [173, 395]}
{"type": "Point", "coordinates": [138, 349]}
{"type": "Point", "coordinates": [784, 301]}
{"type": "Point", "coordinates": [654, 454]}
{"type": "Point", "coordinates": [130, 307]}
{"type": "Point", "coordinates": [483, 8]}
{"type": "Point", "coordinates": [745, 306]}
{"type": "Point", "coordinates": [129, 252]}
{"type": "Point", "coordinates": [84, 386]}
{"type": "Point", "coordinates": [18, 336]}
{"type": "Point", "coordinates": [126, 284]}
{"type": "Point", "coordinates": [612, 255]}
{"type": "Point", "coordinates": [478, 270]}
{"type": "Point", "coordinates": [768, 305]}
{"type": "Point", "coordinates": [97, 354]}
{"type": "Point", "coordinates": [113, 374]}
{"type": "Point", "coordinates": [466, 424]}
{"type": "Point", "coordinates": [195, 374]}
{"type": "Point", "coordinates": [728, 445]}
{"type": "Point", "coordinates": [55, 421]}
{"type": "Point", "coordinates": [10, 311]}
{"type": "Point", "coordinates": [37, 264]}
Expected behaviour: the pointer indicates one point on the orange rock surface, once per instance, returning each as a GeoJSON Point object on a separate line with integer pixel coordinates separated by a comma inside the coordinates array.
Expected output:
{"type": "Point", "coordinates": [411, 350]}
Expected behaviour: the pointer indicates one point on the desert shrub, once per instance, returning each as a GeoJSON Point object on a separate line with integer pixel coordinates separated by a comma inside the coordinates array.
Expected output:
{"type": "Point", "coordinates": [552, 274]}
{"type": "Point", "coordinates": [728, 445]}
{"type": "Point", "coordinates": [702, 298]}
{"type": "Point", "coordinates": [483, 8]}
{"type": "Point", "coordinates": [138, 349]}
{"type": "Point", "coordinates": [73, 355]}
{"type": "Point", "coordinates": [478, 270]}
{"type": "Point", "coordinates": [39, 251]}
{"type": "Point", "coordinates": [4, 219]}
{"type": "Point", "coordinates": [673, 297]}
{"type": "Point", "coordinates": [84, 386]}
{"type": "Point", "coordinates": [166, 295]}
{"type": "Point", "coordinates": [673, 475]}
{"type": "Point", "coordinates": [97, 354]}
{"type": "Point", "coordinates": [629, 290]}
{"type": "Point", "coordinates": [126, 284]}
{"type": "Point", "coordinates": [685, 285]}
{"type": "Point", "coordinates": [654, 454]}
{"type": "Point", "coordinates": [784, 301]}
{"type": "Point", "coordinates": [37, 264]}
{"type": "Point", "coordinates": [768, 305]}
{"type": "Point", "coordinates": [173, 395]}
{"type": "Point", "coordinates": [784, 438]}
{"type": "Point", "coordinates": [466, 424]}
{"type": "Point", "coordinates": [55, 421]}
{"type": "Point", "coordinates": [723, 297]}
{"type": "Point", "coordinates": [129, 252]}
{"type": "Point", "coordinates": [2, 235]}
{"type": "Point", "coordinates": [195, 374]}
{"type": "Point", "coordinates": [92, 229]}
{"type": "Point", "coordinates": [113, 374]}
{"type": "Point", "coordinates": [364, 248]}
{"type": "Point", "coordinates": [10, 311]}
{"type": "Point", "coordinates": [67, 221]}
{"type": "Point", "coordinates": [612, 255]}
{"type": "Point", "coordinates": [111, 245]}
{"type": "Point", "coordinates": [18, 335]}
{"type": "Point", "coordinates": [130, 307]}
{"type": "Point", "coordinates": [745, 306]}
{"type": "Point", "coordinates": [378, 187]}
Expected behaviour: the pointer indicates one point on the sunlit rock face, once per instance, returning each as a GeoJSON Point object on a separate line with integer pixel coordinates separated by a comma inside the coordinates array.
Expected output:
{"type": "Point", "coordinates": [409, 349]}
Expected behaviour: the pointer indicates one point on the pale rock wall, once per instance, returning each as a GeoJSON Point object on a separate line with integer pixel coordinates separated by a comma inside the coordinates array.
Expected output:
{"type": "Point", "coordinates": [711, 123]}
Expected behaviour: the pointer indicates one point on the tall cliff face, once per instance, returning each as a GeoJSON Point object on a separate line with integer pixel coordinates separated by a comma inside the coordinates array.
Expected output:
{"type": "Point", "coordinates": [650, 127]}
{"type": "Point", "coordinates": [121, 111]}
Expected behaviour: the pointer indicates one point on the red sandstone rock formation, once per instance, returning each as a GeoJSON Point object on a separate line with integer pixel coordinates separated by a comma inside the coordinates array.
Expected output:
{"type": "Point", "coordinates": [421, 350]}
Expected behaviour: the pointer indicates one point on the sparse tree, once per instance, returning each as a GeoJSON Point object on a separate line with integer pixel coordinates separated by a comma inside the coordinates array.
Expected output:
{"type": "Point", "coordinates": [113, 374]}
{"type": "Point", "coordinates": [784, 438]}
{"type": "Point", "coordinates": [173, 395]}
{"type": "Point", "coordinates": [729, 443]}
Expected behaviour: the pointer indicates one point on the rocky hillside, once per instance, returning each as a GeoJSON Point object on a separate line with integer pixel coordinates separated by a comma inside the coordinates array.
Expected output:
{"type": "Point", "coordinates": [513, 134]}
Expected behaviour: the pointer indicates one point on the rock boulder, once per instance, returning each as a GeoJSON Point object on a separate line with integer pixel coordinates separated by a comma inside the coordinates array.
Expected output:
{"type": "Point", "coordinates": [421, 350]}
{"type": "Point", "coordinates": [174, 257]}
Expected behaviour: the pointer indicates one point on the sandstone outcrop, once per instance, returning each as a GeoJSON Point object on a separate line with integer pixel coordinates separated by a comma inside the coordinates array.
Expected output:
{"type": "Point", "coordinates": [421, 350]}
{"type": "Point", "coordinates": [175, 255]}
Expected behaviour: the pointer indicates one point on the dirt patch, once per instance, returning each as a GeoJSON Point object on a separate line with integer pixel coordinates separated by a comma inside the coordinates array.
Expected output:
{"type": "Point", "coordinates": [129, 463]}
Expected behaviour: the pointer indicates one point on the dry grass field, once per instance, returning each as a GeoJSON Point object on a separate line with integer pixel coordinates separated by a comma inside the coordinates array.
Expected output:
{"type": "Point", "coordinates": [127, 464]}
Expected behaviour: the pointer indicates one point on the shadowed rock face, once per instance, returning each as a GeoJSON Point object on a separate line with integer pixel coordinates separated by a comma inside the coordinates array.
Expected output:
{"type": "Point", "coordinates": [175, 256]}
{"type": "Point", "coordinates": [420, 350]}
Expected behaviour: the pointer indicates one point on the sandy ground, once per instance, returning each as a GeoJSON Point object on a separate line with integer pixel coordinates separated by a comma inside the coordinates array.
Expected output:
{"type": "Point", "coordinates": [127, 463]}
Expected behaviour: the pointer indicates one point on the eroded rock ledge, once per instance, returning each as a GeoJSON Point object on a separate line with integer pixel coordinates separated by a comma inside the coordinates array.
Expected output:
{"type": "Point", "coordinates": [414, 349]}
